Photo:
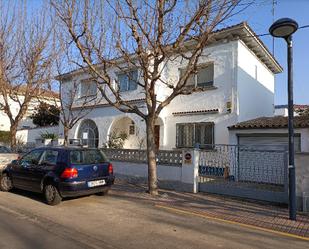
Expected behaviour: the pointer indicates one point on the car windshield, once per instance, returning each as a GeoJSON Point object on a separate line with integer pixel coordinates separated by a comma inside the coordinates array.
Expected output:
{"type": "Point", "coordinates": [86, 157]}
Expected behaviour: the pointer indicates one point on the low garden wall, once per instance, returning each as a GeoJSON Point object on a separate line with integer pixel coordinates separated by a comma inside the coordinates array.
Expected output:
{"type": "Point", "coordinates": [173, 172]}
{"type": "Point", "coordinates": [176, 172]}
{"type": "Point", "coordinates": [302, 180]}
{"type": "Point", "coordinates": [30, 135]}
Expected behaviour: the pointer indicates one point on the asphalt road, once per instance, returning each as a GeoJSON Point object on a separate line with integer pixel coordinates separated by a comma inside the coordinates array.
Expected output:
{"type": "Point", "coordinates": [18, 232]}
{"type": "Point", "coordinates": [119, 221]}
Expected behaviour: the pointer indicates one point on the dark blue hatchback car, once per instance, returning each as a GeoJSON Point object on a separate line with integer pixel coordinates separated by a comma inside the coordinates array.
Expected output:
{"type": "Point", "coordinates": [60, 172]}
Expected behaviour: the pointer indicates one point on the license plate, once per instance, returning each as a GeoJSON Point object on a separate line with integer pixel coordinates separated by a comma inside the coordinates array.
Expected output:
{"type": "Point", "coordinates": [96, 183]}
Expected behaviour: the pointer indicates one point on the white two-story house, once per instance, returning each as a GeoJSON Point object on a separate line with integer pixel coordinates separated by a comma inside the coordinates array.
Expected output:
{"type": "Point", "coordinates": [237, 76]}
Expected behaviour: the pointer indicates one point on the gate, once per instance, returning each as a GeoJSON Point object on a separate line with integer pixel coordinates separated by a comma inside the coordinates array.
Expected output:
{"type": "Point", "coordinates": [244, 171]}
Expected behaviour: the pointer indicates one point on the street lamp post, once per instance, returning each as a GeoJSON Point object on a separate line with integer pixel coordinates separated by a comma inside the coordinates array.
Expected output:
{"type": "Point", "coordinates": [284, 28]}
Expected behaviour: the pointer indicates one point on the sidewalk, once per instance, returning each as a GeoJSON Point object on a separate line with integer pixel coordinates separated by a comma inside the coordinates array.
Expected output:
{"type": "Point", "coordinates": [247, 213]}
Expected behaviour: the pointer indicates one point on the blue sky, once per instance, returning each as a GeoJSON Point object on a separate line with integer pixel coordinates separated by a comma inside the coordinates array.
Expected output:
{"type": "Point", "coordinates": [259, 18]}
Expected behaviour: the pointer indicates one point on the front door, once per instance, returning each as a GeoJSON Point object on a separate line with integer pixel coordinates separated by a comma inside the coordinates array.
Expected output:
{"type": "Point", "coordinates": [157, 136]}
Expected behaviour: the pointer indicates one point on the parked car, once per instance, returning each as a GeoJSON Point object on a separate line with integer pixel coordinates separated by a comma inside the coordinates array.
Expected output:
{"type": "Point", "coordinates": [60, 172]}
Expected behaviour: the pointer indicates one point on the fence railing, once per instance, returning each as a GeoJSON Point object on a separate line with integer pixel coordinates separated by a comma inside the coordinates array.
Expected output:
{"type": "Point", "coordinates": [221, 161]}
{"type": "Point", "coordinates": [164, 157]}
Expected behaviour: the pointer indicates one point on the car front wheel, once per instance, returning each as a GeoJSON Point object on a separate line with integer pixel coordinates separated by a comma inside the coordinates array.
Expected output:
{"type": "Point", "coordinates": [5, 183]}
{"type": "Point", "coordinates": [52, 195]}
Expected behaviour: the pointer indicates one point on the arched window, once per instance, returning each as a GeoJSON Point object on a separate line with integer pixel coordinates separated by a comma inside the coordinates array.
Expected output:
{"type": "Point", "coordinates": [88, 133]}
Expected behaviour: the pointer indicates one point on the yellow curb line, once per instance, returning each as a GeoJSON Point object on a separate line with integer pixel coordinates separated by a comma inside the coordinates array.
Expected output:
{"type": "Point", "coordinates": [232, 222]}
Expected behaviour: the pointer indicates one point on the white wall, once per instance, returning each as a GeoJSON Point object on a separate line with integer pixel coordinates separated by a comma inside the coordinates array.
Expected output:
{"type": "Point", "coordinates": [255, 86]}
{"type": "Point", "coordinates": [172, 173]}
{"type": "Point", "coordinates": [4, 120]}
{"type": "Point", "coordinates": [14, 107]}
{"type": "Point", "coordinates": [235, 81]}
{"type": "Point", "coordinates": [283, 112]}
{"type": "Point", "coordinates": [30, 135]}
{"type": "Point", "coordinates": [302, 181]}
{"type": "Point", "coordinates": [224, 58]}
{"type": "Point", "coordinates": [105, 118]}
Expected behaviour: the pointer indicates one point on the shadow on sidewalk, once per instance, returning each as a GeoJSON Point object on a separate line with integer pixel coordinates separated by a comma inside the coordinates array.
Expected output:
{"type": "Point", "coordinates": [257, 213]}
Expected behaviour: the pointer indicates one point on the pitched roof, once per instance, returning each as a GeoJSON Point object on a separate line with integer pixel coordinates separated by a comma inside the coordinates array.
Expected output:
{"type": "Point", "coordinates": [271, 123]}
{"type": "Point", "coordinates": [21, 89]}
{"type": "Point", "coordinates": [241, 31]}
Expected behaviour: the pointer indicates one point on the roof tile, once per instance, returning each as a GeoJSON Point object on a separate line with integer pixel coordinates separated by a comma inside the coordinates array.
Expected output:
{"type": "Point", "coordinates": [272, 122]}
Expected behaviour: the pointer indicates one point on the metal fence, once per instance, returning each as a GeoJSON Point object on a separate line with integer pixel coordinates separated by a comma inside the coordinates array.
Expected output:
{"type": "Point", "coordinates": [164, 157]}
{"type": "Point", "coordinates": [220, 161]}
{"type": "Point", "coordinates": [245, 171]}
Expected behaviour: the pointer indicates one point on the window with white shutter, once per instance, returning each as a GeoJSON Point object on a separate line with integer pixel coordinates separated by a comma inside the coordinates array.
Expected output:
{"type": "Point", "coordinates": [190, 135]}
{"type": "Point", "coordinates": [88, 88]}
{"type": "Point", "coordinates": [203, 77]}
{"type": "Point", "coordinates": [128, 81]}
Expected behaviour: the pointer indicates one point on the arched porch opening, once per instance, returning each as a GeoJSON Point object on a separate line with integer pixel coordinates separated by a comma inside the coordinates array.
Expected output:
{"type": "Point", "coordinates": [126, 133]}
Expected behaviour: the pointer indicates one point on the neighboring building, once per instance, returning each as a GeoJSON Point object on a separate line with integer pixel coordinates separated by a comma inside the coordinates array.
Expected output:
{"type": "Point", "coordinates": [271, 133]}
{"type": "Point", "coordinates": [237, 77]}
{"type": "Point", "coordinates": [47, 96]}
{"type": "Point", "coordinates": [282, 110]}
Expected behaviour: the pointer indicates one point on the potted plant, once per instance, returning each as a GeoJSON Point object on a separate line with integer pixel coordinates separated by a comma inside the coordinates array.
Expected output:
{"type": "Point", "coordinates": [49, 138]}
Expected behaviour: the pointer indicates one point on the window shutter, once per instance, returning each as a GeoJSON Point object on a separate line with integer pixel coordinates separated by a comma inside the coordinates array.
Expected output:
{"type": "Point", "coordinates": [122, 82]}
{"type": "Point", "coordinates": [133, 79]}
{"type": "Point", "coordinates": [79, 90]}
{"type": "Point", "coordinates": [189, 135]}
{"type": "Point", "coordinates": [179, 135]}
{"type": "Point", "coordinates": [92, 88]}
{"type": "Point", "coordinates": [198, 134]}
{"type": "Point", "coordinates": [205, 76]}
{"type": "Point", "coordinates": [190, 80]}
{"type": "Point", "coordinates": [209, 133]}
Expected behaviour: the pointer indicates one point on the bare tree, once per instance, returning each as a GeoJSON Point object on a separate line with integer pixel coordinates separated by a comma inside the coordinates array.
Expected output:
{"type": "Point", "coordinates": [26, 57]}
{"type": "Point", "coordinates": [146, 35]}
{"type": "Point", "coordinates": [70, 114]}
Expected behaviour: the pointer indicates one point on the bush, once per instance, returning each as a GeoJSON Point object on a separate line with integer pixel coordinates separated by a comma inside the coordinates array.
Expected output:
{"type": "Point", "coordinates": [45, 115]}
{"type": "Point", "coordinates": [116, 141]}
{"type": "Point", "coordinates": [48, 135]}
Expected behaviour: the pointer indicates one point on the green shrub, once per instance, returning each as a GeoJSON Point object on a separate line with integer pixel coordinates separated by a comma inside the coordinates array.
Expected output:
{"type": "Point", "coordinates": [45, 115]}
{"type": "Point", "coordinates": [48, 135]}
{"type": "Point", "coordinates": [116, 140]}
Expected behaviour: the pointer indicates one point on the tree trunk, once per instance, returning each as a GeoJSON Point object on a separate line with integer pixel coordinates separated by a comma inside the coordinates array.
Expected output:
{"type": "Point", "coordinates": [66, 136]}
{"type": "Point", "coordinates": [151, 155]}
{"type": "Point", "coordinates": [13, 131]}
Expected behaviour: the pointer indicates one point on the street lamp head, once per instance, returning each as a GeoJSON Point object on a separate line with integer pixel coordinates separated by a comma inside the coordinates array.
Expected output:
{"type": "Point", "coordinates": [283, 27]}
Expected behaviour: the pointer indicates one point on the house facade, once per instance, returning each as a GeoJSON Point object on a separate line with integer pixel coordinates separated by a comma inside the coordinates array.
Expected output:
{"type": "Point", "coordinates": [236, 74]}
{"type": "Point", "coordinates": [46, 96]}
{"type": "Point", "coordinates": [282, 110]}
